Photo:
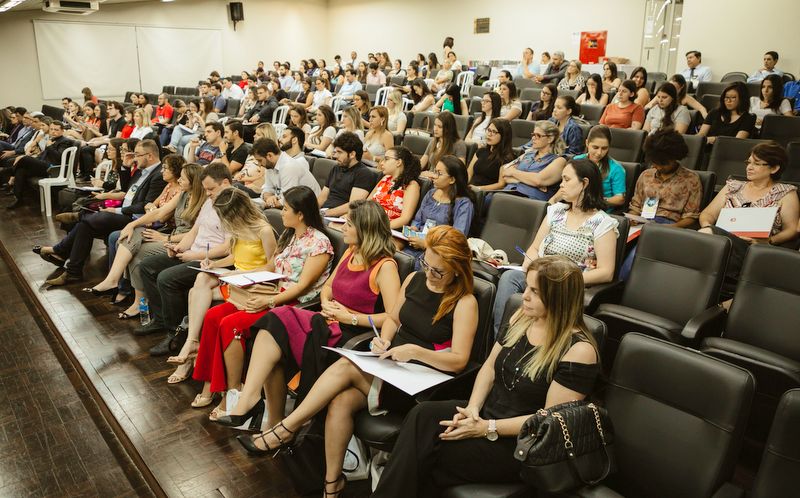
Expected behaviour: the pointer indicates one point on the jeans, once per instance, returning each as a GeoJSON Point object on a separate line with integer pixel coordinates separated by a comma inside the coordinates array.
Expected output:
{"type": "Point", "coordinates": [124, 286]}
{"type": "Point", "coordinates": [180, 139]}
{"type": "Point", "coordinates": [627, 264]}
{"type": "Point", "coordinates": [511, 282]}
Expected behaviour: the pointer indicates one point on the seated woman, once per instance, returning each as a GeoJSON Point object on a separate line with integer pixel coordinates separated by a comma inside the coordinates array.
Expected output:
{"type": "Point", "coordinates": [435, 310]}
{"type": "Point", "coordinates": [573, 79]}
{"type": "Point", "coordinates": [336, 75]}
{"type": "Point", "coordinates": [451, 101]}
{"type": "Point", "coordinates": [248, 102]}
{"type": "Point", "coordinates": [306, 96]}
{"type": "Point", "coordinates": [141, 128]}
{"type": "Point", "coordinates": [639, 77]}
{"type": "Point", "coordinates": [299, 118]}
{"type": "Point", "coordinates": [577, 228]}
{"type": "Point", "coordinates": [398, 191]}
{"type": "Point", "coordinates": [422, 96]}
{"type": "Point", "coordinates": [451, 202]}
{"type": "Point", "coordinates": [490, 109]}
{"type": "Point", "coordinates": [180, 117]}
{"type": "Point", "coordinates": [593, 92]}
{"type": "Point", "coordinates": [397, 69]}
{"type": "Point", "coordinates": [624, 112]}
{"type": "Point", "coordinates": [322, 96]}
{"type": "Point", "coordinates": [378, 139]}
{"type": "Point", "coordinates": [364, 284]}
{"type": "Point", "coordinates": [543, 109]}
{"type": "Point", "coordinates": [322, 135]}
{"type": "Point", "coordinates": [771, 100]}
{"type": "Point", "coordinates": [251, 249]}
{"type": "Point", "coordinates": [564, 113]}
{"type": "Point", "coordinates": [544, 358]}
{"type": "Point", "coordinates": [762, 189]}
{"type": "Point", "coordinates": [304, 257]}
{"type": "Point", "coordinates": [351, 122]}
{"type": "Point", "coordinates": [510, 106]}
{"type": "Point", "coordinates": [139, 239]}
{"type": "Point", "coordinates": [397, 120]}
{"type": "Point", "coordinates": [182, 134]}
{"type": "Point", "coordinates": [610, 78]}
{"type": "Point", "coordinates": [598, 144]}
{"type": "Point", "coordinates": [731, 118]}
{"type": "Point", "coordinates": [445, 143]}
{"type": "Point", "coordinates": [362, 104]}
{"type": "Point", "coordinates": [484, 169]}
{"type": "Point", "coordinates": [679, 82]}
{"type": "Point", "coordinates": [536, 173]}
{"type": "Point", "coordinates": [668, 113]}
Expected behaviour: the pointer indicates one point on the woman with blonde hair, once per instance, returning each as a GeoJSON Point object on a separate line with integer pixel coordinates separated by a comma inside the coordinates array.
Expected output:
{"type": "Point", "coordinates": [351, 121]}
{"type": "Point", "coordinates": [397, 120]}
{"type": "Point", "coordinates": [378, 139]}
{"type": "Point", "coordinates": [433, 321]}
{"type": "Point", "coordinates": [141, 127]}
{"type": "Point", "coordinates": [544, 358]}
{"type": "Point", "coordinates": [536, 173]}
{"type": "Point", "coordinates": [252, 245]}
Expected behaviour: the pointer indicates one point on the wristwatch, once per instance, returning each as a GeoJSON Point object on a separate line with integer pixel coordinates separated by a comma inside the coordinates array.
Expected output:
{"type": "Point", "coordinates": [271, 303]}
{"type": "Point", "coordinates": [491, 433]}
{"type": "Point", "coordinates": [354, 320]}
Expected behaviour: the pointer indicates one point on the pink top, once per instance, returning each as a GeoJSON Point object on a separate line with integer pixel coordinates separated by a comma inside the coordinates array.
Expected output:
{"type": "Point", "coordinates": [209, 228]}
{"type": "Point", "coordinates": [354, 286]}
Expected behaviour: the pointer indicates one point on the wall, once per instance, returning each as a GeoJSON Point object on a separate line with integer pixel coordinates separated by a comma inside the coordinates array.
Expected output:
{"type": "Point", "coordinates": [741, 35]}
{"type": "Point", "coordinates": [413, 26]}
{"type": "Point", "coordinates": [242, 48]}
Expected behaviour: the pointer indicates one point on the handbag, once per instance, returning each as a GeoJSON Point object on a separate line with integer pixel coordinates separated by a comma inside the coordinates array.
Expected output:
{"type": "Point", "coordinates": [238, 296]}
{"type": "Point", "coordinates": [566, 447]}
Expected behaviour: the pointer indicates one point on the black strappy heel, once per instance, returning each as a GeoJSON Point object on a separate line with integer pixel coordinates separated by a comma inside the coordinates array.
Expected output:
{"type": "Point", "coordinates": [339, 491]}
{"type": "Point", "coordinates": [249, 442]}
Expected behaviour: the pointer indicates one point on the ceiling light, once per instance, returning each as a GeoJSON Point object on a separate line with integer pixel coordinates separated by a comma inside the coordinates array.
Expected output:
{"type": "Point", "coordinates": [10, 4]}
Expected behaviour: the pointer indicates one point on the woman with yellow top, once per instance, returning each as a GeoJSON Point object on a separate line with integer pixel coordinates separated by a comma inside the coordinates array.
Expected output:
{"type": "Point", "coordinates": [252, 246]}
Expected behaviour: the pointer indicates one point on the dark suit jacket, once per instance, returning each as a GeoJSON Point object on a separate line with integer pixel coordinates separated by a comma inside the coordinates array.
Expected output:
{"type": "Point", "coordinates": [147, 192]}
{"type": "Point", "coordinates": [22, 140]}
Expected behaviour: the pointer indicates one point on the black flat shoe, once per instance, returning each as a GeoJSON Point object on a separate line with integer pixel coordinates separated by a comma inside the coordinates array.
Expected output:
{"type": "Point", "coordinates": [248, 442]}
{"type": "Point", "coordinates": [236, 420]}
{"type": "Point", "coordinates": [125, 316]}
{"type": "Point", "coordinates": [148, 329]}
{"type": "Point", "coordinates": [108, 292]}
{"type": "Point", "coordinates": [126, 301]}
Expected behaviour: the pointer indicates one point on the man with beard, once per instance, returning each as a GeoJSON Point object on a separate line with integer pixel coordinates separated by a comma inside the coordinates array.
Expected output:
{"type": "Point", "coordinates": [350, 180]}
{"type": "Point", "coordinates": [285, 166]}
{"type": "Point", "coordinates": [234, 149]}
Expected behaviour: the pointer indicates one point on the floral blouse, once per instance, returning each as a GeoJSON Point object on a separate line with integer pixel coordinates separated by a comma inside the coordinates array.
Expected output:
{"type": "Point", "coordinates": [390, 201]}
{"type": "Point", "coordinates": [291, 260]}
{"type": "Point", "coordinates": [735, 199]}
{"type": "Point", "coordinates": [577, 245]}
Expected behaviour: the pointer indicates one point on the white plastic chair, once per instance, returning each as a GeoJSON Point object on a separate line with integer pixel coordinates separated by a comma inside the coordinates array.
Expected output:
{"type": "Point", "coordinates": [336, 105]}
{"type": "Point", "coordinates": [407, 104]}
{"type": "Point", "coordinates": [65, 178]}
{"type": "Point", "coordinates": [429, 82]}
{"type": "Point", "coordinates": [279, 115]}
{"type": "Point", "coordinates": [103, 168]}
{"type": "Point", "coordinates": [491, 84]}
{"type": "Point", "coordinates": [382, 94]}
{"type": "Point", "coordinates": [464, 80]}
{"type": "Point", "coordinates": [279, 129]}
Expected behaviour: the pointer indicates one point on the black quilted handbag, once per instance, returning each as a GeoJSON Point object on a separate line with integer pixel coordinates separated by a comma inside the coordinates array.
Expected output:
{"type": "Point", "coordinates": [566, 447]}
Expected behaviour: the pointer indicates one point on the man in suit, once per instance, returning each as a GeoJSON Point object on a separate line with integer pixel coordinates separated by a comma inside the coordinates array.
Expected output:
{"type": "Point", "coordinates": [74, 249]}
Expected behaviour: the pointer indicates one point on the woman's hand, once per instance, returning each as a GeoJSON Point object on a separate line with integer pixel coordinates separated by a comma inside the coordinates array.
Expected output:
{"type": "Point", "coordinates": [258, 303]}
{"type": "Point", "coordinates": [466, 424]}
{"type": "Point", "coordinates": [207, 264]}
{"type": "Point", "coordinates": [379, 346]}
{"type": "Point", "coordinates": [335, 311]}
{"type": "Point", "coordinates": [404, 353]}
{"type": "Point", "coordinates": [125, 233]}
{"type": "Point", "coordinates": [151, 235]}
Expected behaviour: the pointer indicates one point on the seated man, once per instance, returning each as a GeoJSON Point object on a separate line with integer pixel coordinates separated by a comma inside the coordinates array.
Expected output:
{"type": "Point", "coordinates": [374, 75]}
{"type": "Point", "coordinates": [92, 151]}
{"type": "Point", "coordinates": [164, 110]}
{"type": "Point", "coordinates": [527, 68]}
{"type": "Point", "coordinates": [231, 91]}
{"type": "Point", "coordinates": [695, 72]}
{"type": "Point", "coordinates": [350, 87]}
{"type": "Point", "coordinates": [666, 193]}
{"type": "Point", "coordinates": [555, 71]}
{"type": "Point", "coordinates": [219, 102]}
{"type": "Point", "coordinates": [22, 135]}
{"type": "Point", "coordinates": [233, 148]}
{"type": "Point", "coordinates": [32, 148]}
{"type": "Point", "coordinates": [285, 77]}
{"type": "Point", "coordinates": [18, 122]}
{"type": "Point", "coordinates": [209, 150]}
{"type": "Point", "coordinates": [204, 89]}
{"type": "Point", "coordinates": [33, 167]}
{"type": "Point", "coordinates": [74, 249]}
{"type": "Point", "coordinates": [770, 61]}
{"type": "Point", "coordinates": [283, 170]}
{"type": "Point", "coordinates": [266, 104]}
{"type": "Point", "coordinates": [167, 278]}
{"type": "Point", "coordinates": [443, 78]}
{"type": "Point", "coordinates": [349, 180]}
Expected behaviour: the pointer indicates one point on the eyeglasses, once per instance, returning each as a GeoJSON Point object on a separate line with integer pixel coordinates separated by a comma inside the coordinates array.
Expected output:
{"type": "Point", "coordinates": [387, 157]}
{"type": "Point", "coordinates": [437, 173]}
{"type": "Point", "coordinates": [428, 268]}
{"type": "Point", "coordinates": [749, 162]}
{"type": "Point", "coordinates": [539, 135]}
{"type": "Point", "coordinates": [490, 131]}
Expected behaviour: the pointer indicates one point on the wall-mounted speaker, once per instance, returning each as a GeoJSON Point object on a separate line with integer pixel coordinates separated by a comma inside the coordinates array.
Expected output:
{"type": "Point", "coordinates": [237, 13]}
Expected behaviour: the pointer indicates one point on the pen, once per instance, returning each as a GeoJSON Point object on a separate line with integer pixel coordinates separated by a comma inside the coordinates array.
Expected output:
{"type": "Point", "coordinates": [373, 327]}
{"type": "Point", "coordinates": [208, 246]}
{"type": "Point", "coordinates": [521, 251]}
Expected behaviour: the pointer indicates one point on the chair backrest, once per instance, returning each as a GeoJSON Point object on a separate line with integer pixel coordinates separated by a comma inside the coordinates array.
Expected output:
{"type": "Point", "coordinates": [484, 292]}
{"type": "Point", "coordinates": [337, 241]}
{"type": "Point", "coordinates": [623, 226]}
{"type": "Point", "coordinates": [765, 312]}
{"type": "Point", "coordinates": [67, 170]}
{"type": "Point", "coordinates": [690, 409]}
{"type": "Point", "coordinates": [734, 76]}
{"type": "Point", "coordinates": [310, 159]}
{"type": "Point", "coordinates": [709, 181]}
{"type": "Point", "coordinates": [754, 89]}
{"type": "Point", "coordinates": [275, 219]}
{"type": "Point", "coordinates": [416, 144]}
{"type": "Point", "coordinates": [475, 105]}
{"type": "Point", "coordinates": [632, 172]}
{"type": "Point", "coordinates": [792, 172]}
{"type": "Point", "coordinates": [477, 91]}
{"type": "Point", "coordinates": [695, 143]}
{"type": "Point", "coordinates": [464, 80]}
{"type": "Point", "coordinates": [232, 107]}
{"type": "Point", "coordinates": [780, 465]}
{"type": "Point", "coordinates": [423, 120]}
{"type": "Point", "coordinates": [492, 84]}
{"type": "Point", "coordinates": [168, 89]}
{"type": "Point", "coordinates": [521, 131]}
{"type": "Point", "coordinates": [405, 264]}
{"type": "Point", "coordinates": [472, 147]}
{"type": "Point", "coordinates": [522, 83]}
{"type": "Point", "coordinates": [782, 129]}
{"type": "Point", "coordinates": [463, 123]}
{"type": "Point", "coordinates": [669, 262]}
{"type": "Point", "coordinates": [381, 94]}
{"type": "Point", "coordinates": [573, 93]}
{"type": "Point", "coordinates": [531, 94]}
{"type": "Point", "coordinates": [322, 169]}
{"type": "Point", "coordinates": [710, 101]}
{"type": "Point", "coordinates": [626, 144]}
{"type": "Point", "coordinates": [512, 221]}
{"type": "Point", "coordinates": [592, 112]}
{"type": "Point", "coordinates": [397, 80]}
{"type": "Point", "coordinates": [280, 114]}
{"type": "Point", "coordinates": [712, 87]}
{"type": "Point", "coordinates": [656, 76]}
{"type": "Point", "coordinates": [728, 155]}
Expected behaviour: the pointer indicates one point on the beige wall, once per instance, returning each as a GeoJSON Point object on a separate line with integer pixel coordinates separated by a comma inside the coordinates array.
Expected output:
{"type": "Point", "coordinates": [734, 34]}
{"type": "Point", "coordinates": [242, 48]}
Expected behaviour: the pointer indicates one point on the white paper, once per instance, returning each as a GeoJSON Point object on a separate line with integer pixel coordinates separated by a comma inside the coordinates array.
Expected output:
{"type": "Point", "coordinates": [214, 271]}
{"type": "Point", "coordinates": [408, 377]}
{"type": "Point", "coordinates": [399, 235]}
{"type": "Point", "coordinates": [256, 277]}
{"type": "Point", "coordinates": [753, 222]}
{"type": "Point", "coordinates": [510, 267]}
{"type": "Point", "coordinates": [637, 219]}
{"type": "Point", "coordinates": [334, 219]}
{"type": "Point", "coordinates": [91, 189]}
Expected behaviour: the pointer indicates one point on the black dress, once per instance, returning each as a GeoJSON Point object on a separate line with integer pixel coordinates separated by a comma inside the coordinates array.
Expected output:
{"type": "Point", "coordinates": [423, 465]}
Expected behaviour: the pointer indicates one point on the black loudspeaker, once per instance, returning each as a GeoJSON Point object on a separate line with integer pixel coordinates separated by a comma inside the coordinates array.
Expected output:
{"type": "Point", "coordinates": [237, 13]}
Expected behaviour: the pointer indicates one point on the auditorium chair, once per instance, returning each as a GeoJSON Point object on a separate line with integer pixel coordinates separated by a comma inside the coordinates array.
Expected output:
{"type": "Point", "coordinates": [53, 112]}
{"type": "Point", "coordinates": [754, 88]}
{"type": "Point", "coordinates": [734, 76]}
{"type": "Point", "coordinates": [416, 144]}
{"type": "Point", "coordinates": [398, 80]}
{"type": "Point", "coordinates": [476, 92]}
{"type": "Point", "coordinates": [710, 101]}
{"type": "Point", "coordinates": [792, 171]}
{"type": "Point", "coordinates": [530, 94]}
{"type": "Point", "coordinates": [626, 144]}
{"type": "Point", "coordinates": [168, 89]}
{"type": "Point", "coordinates": [475, 106]}
{"type": "Point", "coordinates": [728, 156]}
{"type": "Point", "coordinates": [591, 293]}
{"type": "Point", "coordinates": [782, 129]}
{"type": "Point", "coordinates": [423, 121]}
{"type": "Point", "coordinates": [521, 131]}
{"type": "Point", "coordinates": [381, 432]}
{"type": "Point", "coordinates": [676, 277]}
{"type": "Point", "coordinates": [656, 76]}
{"type": "Point", "coordinates": [232, 107]}
{"type": "Point", "coordinates": [573, 93]}
{"type": "Point", "coordinates": [632, 172]}
{"type": "Point", "coordinates": [310, 159]}
{"type": "Point", "coordinates": [463, 124]}
{"type": "Point", "coordinates": [761, 331]}
{"type": "Point", "coordinates": [322, 169]}
{"type": "Point", "coordinates": [695, 143]}
{"type": "Point", "coordinates": [712, 87]}
{"type": "Point", "coordinates": [592, 113]}
{"type": "Point", "coordinates": [708, 180]}
{"type": "Point", "coordinates": [679, 418]}
{"type": "Point", "coordinates": [522, 83]}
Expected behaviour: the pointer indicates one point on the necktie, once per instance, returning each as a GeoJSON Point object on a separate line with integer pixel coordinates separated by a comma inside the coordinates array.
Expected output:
{"type": "Point", "coordinates": [691, 79]}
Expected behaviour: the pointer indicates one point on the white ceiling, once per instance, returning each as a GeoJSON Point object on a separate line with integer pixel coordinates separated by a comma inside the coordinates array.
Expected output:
{"type": "Point", "coordinates": [37, 4]}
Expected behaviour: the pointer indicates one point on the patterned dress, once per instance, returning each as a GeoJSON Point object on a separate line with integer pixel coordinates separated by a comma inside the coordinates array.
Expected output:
{"type": "Point", "coordinates": [390, 200]}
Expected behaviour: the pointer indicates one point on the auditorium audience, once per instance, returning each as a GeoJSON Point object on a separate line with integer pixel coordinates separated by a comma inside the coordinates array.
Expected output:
{"type": "Point", "coordinates": [451, 101]}
{"type": "Point", "coordinates": [695, 72]}
{"type": "Point", "coordinates": [399, 190]}
{"type": "Point", "coordinates": [770, 60]}
{"type": "Point", "coordinates": [527, 68]}
{"type": "Point", "coordinates": [565, 111]}
{"type": "Point", "coordinates": [421, 95]}
{"type": "Point", "coordinates": [378, 139]}
{"type": "Point", "coordinates": [555, 69]}
{"type": "Point", "coordinates": [443, 77]}
{"type": "Point", "coordinates": [484, 169]}
{"type": "Point", "coordinates": [731, 118]}
{"type": "Point", "coordinates": [361, 104]}
{"type": "Point", "coordinates": [536, 173]}
{"type": "Point", "coordinates": [668, 113]}
{"type": "Point", "coordinates": [553, 359]}
{"type": "Point", "coordinates": [298, 117]}
{"type": "Point", "coordinates": [322, 135]}
{"type": "Point", "coordinates": [771, 100]}
{"type": "Point", "coordinates": [284, 167]}
{"type": "Point", "coordinates": [577, 227]}
{"type": "Point", "coordinates": [210, 150]}
{"type": "Point", "coordinates": [445, 142]}
{"type": "Point", "coordinates": [182, 134]}
{"type": "Point", "coordinates": [639, 77]}
{"type": "Point", "coordinates": [684, 98]}
{"type": "Point", "coordinates": [593, 92]}
{"type": "Point", "coordinates": [322, 96]}
{"type": "Point", "coordinates": [397, 120]}
{"type": "Point", "coordinates": [624, 112]}
{"type": "Point", "coordinates": [141, 128]}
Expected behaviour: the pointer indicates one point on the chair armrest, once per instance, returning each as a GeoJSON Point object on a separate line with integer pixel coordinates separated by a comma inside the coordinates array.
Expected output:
{"type": "Point", "coordinates": [359, 342]}
{"type": "Point", "coordinates": [710, 322]}
{"type": "Point", "coordinates": [313, 305]}
{"type": "Point", "coordinates": [728, 490]}
{"type": "Point", "coordinates": [599, 294]}
{"type": "Point", "coordinates": [459, 387]}
{"type": "Point", "coordinates": [599, 491]}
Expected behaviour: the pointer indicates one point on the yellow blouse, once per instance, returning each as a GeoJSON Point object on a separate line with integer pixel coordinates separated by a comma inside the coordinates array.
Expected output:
{"type": "Point", "coordinates": [249, 254]}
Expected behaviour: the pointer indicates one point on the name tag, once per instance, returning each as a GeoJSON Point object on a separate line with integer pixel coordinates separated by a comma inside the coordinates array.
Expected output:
{"type": "Point", "coordinates": [650, 207]}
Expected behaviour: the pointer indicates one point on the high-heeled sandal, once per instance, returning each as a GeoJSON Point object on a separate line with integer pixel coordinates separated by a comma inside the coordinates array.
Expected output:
{"type": "Point", "coordinates": [341, 478]}
{"type": "Point", "coordinates": [249, 442]}
{"type": "Point", "coordinates": [177, 360]}
{"type": "Point", "coordinates": [201, 401]}
{"type": "Point", "coordinates": [177, 379]}
{"type": "Point", "coordinates": [237, 420]}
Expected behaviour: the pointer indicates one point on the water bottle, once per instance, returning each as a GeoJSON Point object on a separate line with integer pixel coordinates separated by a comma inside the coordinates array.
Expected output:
{"type": "Point", "coordinates": [144, 312]}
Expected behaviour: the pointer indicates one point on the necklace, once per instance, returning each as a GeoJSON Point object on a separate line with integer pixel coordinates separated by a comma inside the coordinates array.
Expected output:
{"type": "Point", "coordinates": [516, 377]}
